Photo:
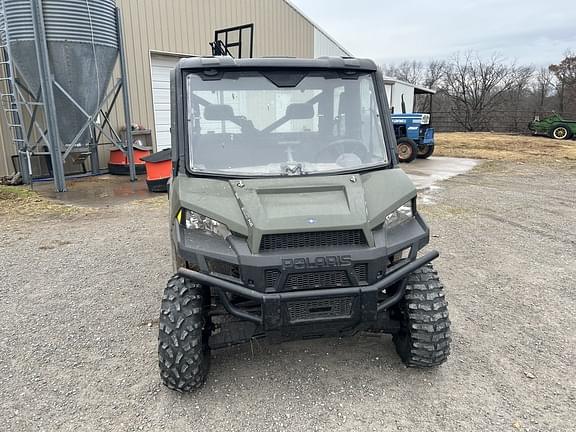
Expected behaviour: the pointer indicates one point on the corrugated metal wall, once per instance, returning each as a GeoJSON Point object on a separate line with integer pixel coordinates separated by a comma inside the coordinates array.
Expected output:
{"type": "Point", "coordinates": [185, 27]}
{"type": "Point", "coordinates": [324, 46]}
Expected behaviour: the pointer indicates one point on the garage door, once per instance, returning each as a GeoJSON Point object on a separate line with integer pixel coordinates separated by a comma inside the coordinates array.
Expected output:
{"type": "Point", "coordinates": [161, 67]}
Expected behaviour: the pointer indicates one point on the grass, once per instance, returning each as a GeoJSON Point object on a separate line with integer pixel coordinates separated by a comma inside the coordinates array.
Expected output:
{"type": "Point", "coordinates": [20, 201]}
{"type": "Point", "coordinates": [496, 146]}
{"type": "Point", "coordinates": [9, 193]}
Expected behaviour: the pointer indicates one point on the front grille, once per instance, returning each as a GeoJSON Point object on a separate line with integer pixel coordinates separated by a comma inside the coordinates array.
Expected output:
{"type": "Point", "coordinates": [272, 277]}
{"type": "Point", "coordinates": [224, 268]}
{"type": "Point", "coordinates": [327, 279]}
{"type": "Point", "coordinates": [335, 307]}
{"type": "Point", "coordinates": [315, 239]}
{"type": "Point", "coordinates": [361, 271]}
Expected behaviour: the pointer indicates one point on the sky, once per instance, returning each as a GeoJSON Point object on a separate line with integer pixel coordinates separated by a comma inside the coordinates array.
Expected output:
{"type": "Point", "coordinates": [527, 31]}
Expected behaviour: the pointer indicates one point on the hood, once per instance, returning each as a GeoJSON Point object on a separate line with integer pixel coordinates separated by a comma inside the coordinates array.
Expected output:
{"type": "Point", "coordinates": [255, 207]}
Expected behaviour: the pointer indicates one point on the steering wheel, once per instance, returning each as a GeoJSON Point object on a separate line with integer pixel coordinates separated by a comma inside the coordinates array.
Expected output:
{"type": "Point", "coordinates": [341, 146]}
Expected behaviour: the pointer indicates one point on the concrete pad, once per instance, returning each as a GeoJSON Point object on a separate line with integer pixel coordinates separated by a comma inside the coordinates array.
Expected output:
{"type": "Point", "coordinates": [99, 191]}
{"type": "Point", "coordinates": [425, 172]}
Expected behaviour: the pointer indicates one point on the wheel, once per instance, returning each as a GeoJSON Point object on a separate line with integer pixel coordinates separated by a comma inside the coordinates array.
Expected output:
{"type": "Point", "coordinates": [425, 151]}
{"type": "Point", "coordinates": [561, 132]}
{"type": "Point", "coordinates": [183, 352]}
{"type": "Point", "coordinates": [407, 150]}
{"type": "Point", "coordinates": [424, 336]}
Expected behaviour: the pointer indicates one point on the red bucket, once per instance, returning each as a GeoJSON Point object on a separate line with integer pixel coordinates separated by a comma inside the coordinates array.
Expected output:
{"type": "Point", "coordinates": [158, 170]}
{"type": "Point", "coordinates": [118, 162]}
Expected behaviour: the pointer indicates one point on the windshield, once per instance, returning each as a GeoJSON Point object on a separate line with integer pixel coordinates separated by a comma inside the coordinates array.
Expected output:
{"type": "Point", "coordinates": [283, 123]}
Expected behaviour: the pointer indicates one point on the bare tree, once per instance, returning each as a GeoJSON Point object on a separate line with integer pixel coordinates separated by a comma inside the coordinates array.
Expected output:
{"type": "Point", "coordinates": [411, 71]}
{"type": "Point", "coordinates": [476, 86]}
{"type": "Point", "coordinates": [565, 72]}
{"type": "Point", "coordinates": [416, 72]}
{"type": "Point", "coordinates": [542, 87]}
{"type": "Point", "coordinates": [518, 93]}
{"type": "Point", "coordinates": [435, 70]}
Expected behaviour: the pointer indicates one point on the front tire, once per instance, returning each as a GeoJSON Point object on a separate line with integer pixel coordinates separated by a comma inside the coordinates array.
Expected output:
{"type": "Point", "coordinates": [407, 150]}
{"type": "Point", "coordinates": [425, 151]}
{"type": "Point", "coordinates": [183, 352]}
{"type": "Point", "coordinates": [561, 132]}
{"type": "Point", "coordinates": [424, 337]}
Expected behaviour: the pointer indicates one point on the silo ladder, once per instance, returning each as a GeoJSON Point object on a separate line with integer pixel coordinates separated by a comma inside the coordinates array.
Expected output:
{"type": "Point", "coordinates": [9, 100]}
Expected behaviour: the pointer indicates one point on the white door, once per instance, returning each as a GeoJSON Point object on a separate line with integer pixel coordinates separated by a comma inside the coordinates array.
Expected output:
{"type": "Point", "coordinates": [161, 67]}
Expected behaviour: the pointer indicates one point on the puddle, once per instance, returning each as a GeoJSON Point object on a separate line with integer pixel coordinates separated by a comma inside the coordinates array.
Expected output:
{"type": "Point", "coordinates": [100, 191]}
{"type": "Point", "coordinates": [426, 172]}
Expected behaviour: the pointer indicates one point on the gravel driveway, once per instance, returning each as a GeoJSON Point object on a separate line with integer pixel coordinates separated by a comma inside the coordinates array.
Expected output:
{"type": "Point", "coordinates": [80, 294]}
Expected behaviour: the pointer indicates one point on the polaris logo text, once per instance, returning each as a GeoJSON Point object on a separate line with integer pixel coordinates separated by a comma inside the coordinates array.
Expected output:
{"type": "Point", "coordinates": [316, 263]}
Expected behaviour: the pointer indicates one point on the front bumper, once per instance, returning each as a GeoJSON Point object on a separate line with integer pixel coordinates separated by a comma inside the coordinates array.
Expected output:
{"type": "Point", "coordinates": [336, 286]}
{"type": "Point", "coordinates": [364, 300]}
{"type": "Point", "coordinates": [276, 271]}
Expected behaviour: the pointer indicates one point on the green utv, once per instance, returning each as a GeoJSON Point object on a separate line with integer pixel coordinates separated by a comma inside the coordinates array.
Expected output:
{"type": "Point", "coordinates": [290, 217]}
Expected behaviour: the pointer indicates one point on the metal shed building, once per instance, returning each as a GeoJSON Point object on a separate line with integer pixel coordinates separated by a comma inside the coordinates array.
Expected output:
{"type": "Point", "coordinates": [158, 32]}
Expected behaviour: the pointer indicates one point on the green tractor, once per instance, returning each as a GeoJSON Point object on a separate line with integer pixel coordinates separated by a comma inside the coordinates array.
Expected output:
{"type": "Point", "coordinates": [554, 126]}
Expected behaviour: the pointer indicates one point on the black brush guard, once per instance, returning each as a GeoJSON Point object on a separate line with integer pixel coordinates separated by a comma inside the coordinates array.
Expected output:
{"type": "Point", "coordinates": [271, 303]}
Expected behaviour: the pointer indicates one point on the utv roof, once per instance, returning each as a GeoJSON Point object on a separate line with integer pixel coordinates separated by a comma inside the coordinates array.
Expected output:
{"type": "Point", "coordinates": [277, 62]}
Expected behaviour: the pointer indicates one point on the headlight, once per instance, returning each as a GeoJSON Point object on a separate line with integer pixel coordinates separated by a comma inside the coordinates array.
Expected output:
{"type": "Point", "coordinates": [400, 215]}
{"type": "Point", "coordinates": [195, 221]}
{"type": "Point", "coordinates": [425, 119]}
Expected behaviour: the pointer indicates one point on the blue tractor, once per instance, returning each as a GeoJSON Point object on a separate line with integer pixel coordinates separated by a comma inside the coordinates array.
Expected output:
{"type": "Point", "coordinates": [414, 134]}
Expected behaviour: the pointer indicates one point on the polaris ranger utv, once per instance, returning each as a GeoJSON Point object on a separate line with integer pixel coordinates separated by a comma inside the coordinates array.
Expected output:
{"type": "Point", "coordinates": [290, 217]}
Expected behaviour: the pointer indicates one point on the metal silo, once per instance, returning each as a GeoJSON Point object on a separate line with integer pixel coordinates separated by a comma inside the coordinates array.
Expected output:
{"type": "Point", "coordinates": [83, 47]}
{"type": "Point", "coordinates": [74, 46]}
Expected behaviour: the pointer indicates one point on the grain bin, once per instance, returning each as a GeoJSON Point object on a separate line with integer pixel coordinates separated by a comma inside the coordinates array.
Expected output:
{"type": "Point", "coordinates": [82, 39]}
